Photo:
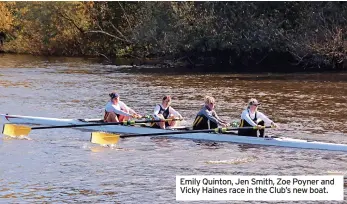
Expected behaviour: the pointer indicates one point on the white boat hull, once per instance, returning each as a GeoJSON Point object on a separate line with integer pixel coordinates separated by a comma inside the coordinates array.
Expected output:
{"type": "Point", "coordinates": [280, 141]}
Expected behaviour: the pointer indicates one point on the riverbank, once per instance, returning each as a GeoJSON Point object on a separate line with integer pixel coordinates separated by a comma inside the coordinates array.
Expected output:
{"type": "Point", "coordinates": [152, 66]}
{"type": "Point", "coordinates": [207, 36]}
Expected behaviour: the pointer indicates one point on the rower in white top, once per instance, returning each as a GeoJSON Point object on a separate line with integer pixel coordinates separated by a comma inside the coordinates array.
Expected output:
{"type": "Point", "coordinates": [251, 117]}
{"type": "Point", "coordinates": [165, 111]}
{"type": "Point", "coordinates": [117, 111]}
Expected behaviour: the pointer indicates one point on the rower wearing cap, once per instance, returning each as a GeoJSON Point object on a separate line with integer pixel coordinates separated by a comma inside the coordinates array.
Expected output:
{"type": "Point", "coordinates": [117, 111]}
{"type": "Point", "coordinates": [207, 117]}
{"type": "Point", "coordinates": [251, 117]}
{"type": "Point", "coordinates": [165, 111]}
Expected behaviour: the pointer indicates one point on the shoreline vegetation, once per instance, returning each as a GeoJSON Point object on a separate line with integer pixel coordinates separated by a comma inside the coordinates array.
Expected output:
{"type": "Point", "coordinates": [210, 36]}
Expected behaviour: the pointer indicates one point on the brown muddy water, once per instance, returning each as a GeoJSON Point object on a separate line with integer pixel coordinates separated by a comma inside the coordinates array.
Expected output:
{"type": "Point", "coordinates": [60, 165]}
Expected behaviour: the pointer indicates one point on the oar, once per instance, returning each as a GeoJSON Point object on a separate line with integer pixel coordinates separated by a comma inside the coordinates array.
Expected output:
{"type": "Point", "coordinates": [15, 130]}
{"type": "Point", "coordinates": [104, 138]}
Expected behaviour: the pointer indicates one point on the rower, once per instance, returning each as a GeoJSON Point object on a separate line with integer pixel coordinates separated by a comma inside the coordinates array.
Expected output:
{"type": "Point", "coordinates": [251, 117]}
{"type": "Point", "coordinates": [207, 117]}
{"type": "Point", "coordinates": [165, 111]}
{"type": "Point", "coordinates": [117, 111]}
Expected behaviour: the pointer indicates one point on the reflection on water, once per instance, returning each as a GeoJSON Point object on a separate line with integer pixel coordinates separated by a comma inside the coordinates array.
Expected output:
{"type": "Point", "coordinates": [6, 83]}
{"type": "Point", "coordinates": [60, 165]}
{"type": "Point", "coordinates": [21, 137]}
{"type": "Point", "coordinates": [102, 148]}
{"type": "Point", "coordinates": [233, 161]}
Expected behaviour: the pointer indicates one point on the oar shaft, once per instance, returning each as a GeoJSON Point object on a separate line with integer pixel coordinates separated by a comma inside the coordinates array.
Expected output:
{"type": "Point", "coordinates": [68, 126]}
{"type": "Point", "coordinates": [101, 124]}
{"type": "Point", "coordinates": [245, 128]}
{"type": "Point", "coordinates": [217, 130]}
{"type": "Point", "coordinates": [167, 133]}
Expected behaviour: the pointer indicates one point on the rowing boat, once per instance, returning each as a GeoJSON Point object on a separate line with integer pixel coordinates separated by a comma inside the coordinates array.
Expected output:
{"type": "Point", "coordinates": [275, 141]}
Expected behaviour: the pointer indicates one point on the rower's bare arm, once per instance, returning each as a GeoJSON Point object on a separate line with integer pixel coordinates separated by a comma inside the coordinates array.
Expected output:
{"type": "Point", "coordinates": [175, 113]}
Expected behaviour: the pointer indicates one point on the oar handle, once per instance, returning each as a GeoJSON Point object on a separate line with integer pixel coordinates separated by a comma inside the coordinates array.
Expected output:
{"type": "Point", "coordinates": [254, 128]}
{"type": "Point", "coordinates": [129, 122]}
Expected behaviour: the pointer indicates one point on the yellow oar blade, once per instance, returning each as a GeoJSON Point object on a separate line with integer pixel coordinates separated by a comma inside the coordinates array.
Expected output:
{"type": "Point", "coordinates": [16, 130]}
{"type": "Point", "coordinates": [104, 138]}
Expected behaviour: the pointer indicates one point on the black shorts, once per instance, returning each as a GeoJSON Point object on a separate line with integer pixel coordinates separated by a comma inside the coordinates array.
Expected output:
{"type": "Point", "coordinates": [155, 125]}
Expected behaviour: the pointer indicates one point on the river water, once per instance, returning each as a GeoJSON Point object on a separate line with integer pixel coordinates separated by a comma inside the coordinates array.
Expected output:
{"type": "Point", "coordinates": [60, 165]}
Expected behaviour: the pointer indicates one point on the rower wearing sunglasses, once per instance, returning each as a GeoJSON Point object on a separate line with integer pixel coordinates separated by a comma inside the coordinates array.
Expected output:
{"type": "Point", "coordinates": [251, 117]}
{"type": "Point", "coordinates": [207, 117]}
